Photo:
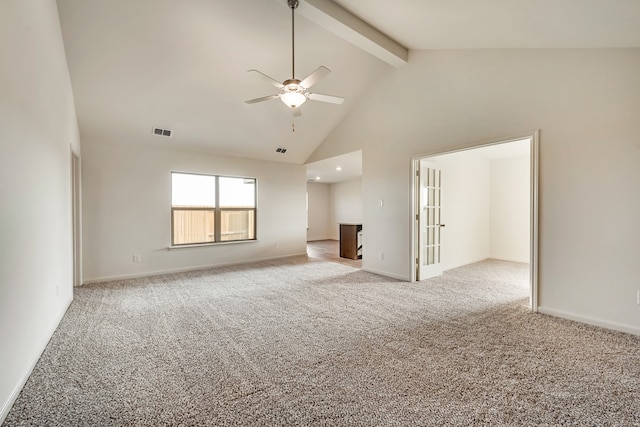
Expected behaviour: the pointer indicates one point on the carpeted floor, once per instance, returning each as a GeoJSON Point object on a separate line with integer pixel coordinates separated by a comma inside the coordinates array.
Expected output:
{"type": "Point", "coordinates": [304, 342]}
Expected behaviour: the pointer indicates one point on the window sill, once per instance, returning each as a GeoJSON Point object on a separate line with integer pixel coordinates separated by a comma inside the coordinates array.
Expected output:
{"type": "Point", "coordinates": [200, 245]}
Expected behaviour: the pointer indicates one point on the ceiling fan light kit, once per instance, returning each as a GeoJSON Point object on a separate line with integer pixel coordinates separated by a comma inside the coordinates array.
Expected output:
{"type": "Point", "coordinates": [295, 92]}
{"type": "Point", "coordinates": [293, 99]}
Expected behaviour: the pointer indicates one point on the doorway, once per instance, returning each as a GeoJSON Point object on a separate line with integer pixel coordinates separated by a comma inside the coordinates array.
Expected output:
{"type": "Point", "coordinates": [329, 250]}
{"type": "Point", "coordinates": [435, 248]}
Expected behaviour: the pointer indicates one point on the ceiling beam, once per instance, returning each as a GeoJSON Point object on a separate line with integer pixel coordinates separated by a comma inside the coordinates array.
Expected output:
{"type": "Point", "coordinates": [336, 19]}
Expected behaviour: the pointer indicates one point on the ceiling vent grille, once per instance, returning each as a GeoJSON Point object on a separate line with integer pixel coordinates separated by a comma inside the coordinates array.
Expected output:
{"type": "Point", "coordinates": [162, 132]}
{"type": "Point", "coordinates": [281, 150]}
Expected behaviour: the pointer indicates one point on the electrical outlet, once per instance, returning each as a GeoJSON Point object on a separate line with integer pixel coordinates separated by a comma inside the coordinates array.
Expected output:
{"type": "Point", "coordinates": [638, 297]}
{"type": "Point", "coordinates": [381, 255]}
{"type": "Point", "coordinates": [136, 257]}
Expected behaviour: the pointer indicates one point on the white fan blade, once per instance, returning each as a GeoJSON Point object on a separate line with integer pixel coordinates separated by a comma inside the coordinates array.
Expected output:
{"type": "Point", "coordinates": [264, 98]}
{"type": "Point", "coordinates": [325, 98]}
{"type": "Point", "coordinates": [269, 79]}
{"type": "Point", "coordinates": [313, 78]}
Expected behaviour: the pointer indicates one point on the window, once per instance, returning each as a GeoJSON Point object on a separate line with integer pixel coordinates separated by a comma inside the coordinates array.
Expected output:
{"type": "Point", "coordinates": [210, 208]}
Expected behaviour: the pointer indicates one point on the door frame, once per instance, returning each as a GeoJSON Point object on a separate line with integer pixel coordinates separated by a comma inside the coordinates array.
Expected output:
{"type": "Point", "coordinates": [76, 217]}
{"type": "Point", "coordinates": [534, 137]}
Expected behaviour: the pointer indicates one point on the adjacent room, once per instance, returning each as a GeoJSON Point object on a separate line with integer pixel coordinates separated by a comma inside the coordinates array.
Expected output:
{"type": "Point", "coordinates": [334, 209]}
{"type": "Point", "coordinates": [473, 205]}
{"type": "Point", "coordinates": [168, 169]}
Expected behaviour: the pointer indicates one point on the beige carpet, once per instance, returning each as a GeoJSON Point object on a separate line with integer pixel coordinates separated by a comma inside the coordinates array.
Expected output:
{"type": "Point", "coordinates": [299, 342]}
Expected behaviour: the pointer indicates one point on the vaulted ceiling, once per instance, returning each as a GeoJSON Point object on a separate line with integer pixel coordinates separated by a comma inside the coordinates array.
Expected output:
{"type": "Point", "coordinates": [182, 64]}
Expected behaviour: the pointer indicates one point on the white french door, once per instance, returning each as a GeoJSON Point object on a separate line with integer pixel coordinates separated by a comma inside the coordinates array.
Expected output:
{"type": "Point", "coordinates": [429, 219]}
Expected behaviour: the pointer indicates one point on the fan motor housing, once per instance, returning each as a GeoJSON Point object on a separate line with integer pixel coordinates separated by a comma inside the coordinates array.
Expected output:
{"type": "Point", "coordinates": [292, 85]}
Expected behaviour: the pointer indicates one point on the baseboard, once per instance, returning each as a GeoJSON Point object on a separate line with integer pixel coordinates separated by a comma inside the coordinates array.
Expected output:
{"type": "Point", "coordinates": [520, 260]}
{"type": "Point", "coordinates": [621, 327]}
{"type": "Point", "coordinates": [182, 269]}
{"type": "Point", "coordinates": [464, 263]}
{"type": "Point", "coordinates": [6, 406]}
{"type": "Point", "coordinates": [386, 274]}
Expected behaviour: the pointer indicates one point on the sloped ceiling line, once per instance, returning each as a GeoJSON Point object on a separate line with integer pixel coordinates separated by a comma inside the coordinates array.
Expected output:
{"type": "Point", "coordinates": [336, 19]}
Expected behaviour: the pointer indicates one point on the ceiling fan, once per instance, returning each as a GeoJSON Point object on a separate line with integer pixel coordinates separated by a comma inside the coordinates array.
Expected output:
{"type": "Point", "coordinates": [295, 92]}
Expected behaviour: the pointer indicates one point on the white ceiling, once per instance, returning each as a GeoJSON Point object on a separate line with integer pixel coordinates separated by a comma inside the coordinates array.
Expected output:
{"type": "Point", "coordinates": [336, 169]}
{"type": "Point", "coordinates": [182, 65]}
{"type": "Point", "coordinates": [490, 24]}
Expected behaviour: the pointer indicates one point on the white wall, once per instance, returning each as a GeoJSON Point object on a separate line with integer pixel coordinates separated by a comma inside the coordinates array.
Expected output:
{"type": "Point", "coordinates": [38, 122]}
{"type": "Point", "coordinates": [345, 205]}
{"type": "Point", "coordinates": [510, 209]}
{"type": "Point", "coordinates": [331, 205]}
{"type": "Point", "coordinates": [585, 103]}
{"type": "Point", "coordinates": [485, 207]}
{"type": "Point", "coordinates": [319, 211]}
{"type": "Point", "coordinates": [466, 208]}
{"type": "Point", "coordinates": [127, 210]}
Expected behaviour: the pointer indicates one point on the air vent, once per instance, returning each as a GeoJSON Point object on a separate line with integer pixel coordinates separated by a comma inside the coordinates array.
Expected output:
{"type": "Point", "coordinates": [281, 150]}
{"type": "Point", "coordinates": [161, 132]}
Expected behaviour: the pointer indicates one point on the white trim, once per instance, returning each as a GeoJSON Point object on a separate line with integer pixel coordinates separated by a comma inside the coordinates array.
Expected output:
{"type": "Point", "coordinates": [533, 136]}
{"type": "Point", "coordinates": [76, 217]}
{"type": "Point", "coordinates": [534, 206]}
{"type": "Point", "coordinates": [521, 261]}
{"type": "Point", "coordinates": [473, 261]}
{"type": "Point", "coordinates": [183, 270]}
{"type": "Point", "coordinates": [6, 406]}
{"type": "Point", "coordinates": [620, 327]}
{"type": "Point", "coordinates": [208, 244]}
{"type": "Point", "coordinates": [387, 274]}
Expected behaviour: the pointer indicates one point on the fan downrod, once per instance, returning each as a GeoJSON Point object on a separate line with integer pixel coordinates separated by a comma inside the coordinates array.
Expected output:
{"type": "Point", "coordinates": [294, 91]}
